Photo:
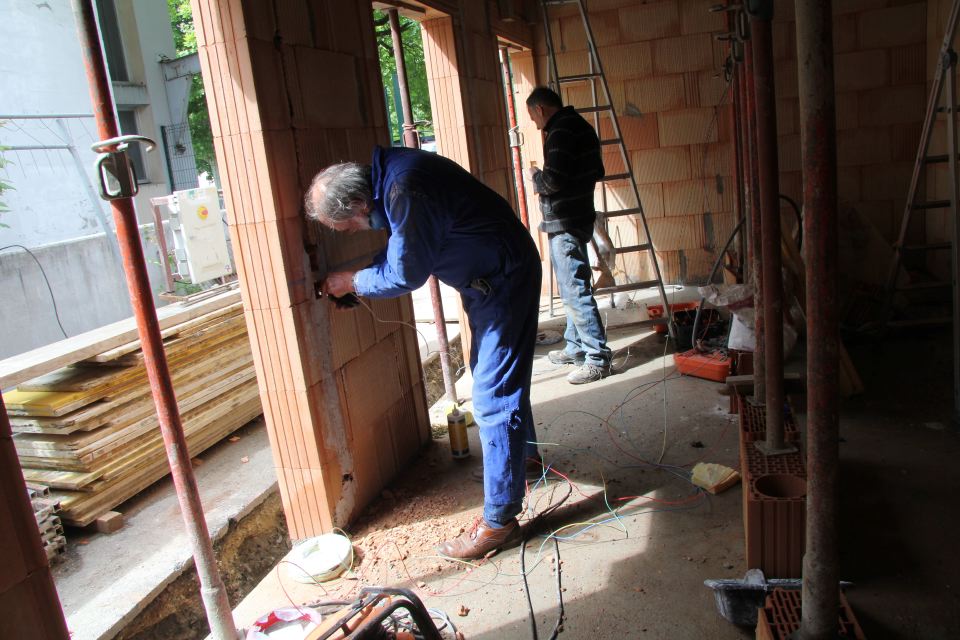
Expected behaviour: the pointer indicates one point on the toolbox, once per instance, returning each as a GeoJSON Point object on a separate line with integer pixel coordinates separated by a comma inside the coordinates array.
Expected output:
{"type": "Point", "coordinates": [711, 365]}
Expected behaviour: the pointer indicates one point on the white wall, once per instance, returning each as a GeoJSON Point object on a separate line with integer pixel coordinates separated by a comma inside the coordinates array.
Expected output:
{"type": "Point", "coordinates": [51, 211]}
{"type": "Point", "coordinates": [88, 288]}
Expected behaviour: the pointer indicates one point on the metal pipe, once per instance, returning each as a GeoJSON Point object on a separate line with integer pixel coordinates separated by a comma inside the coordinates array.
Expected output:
{"type": "Point", "coordinates": [162, 244]}
{"type": "Point", "coordinates": [740, 169]}
{"type": "Point", "coordinates": [412, 141]}
{"type": "Point", "coordinates": [212, 590]}
{"type": "Point", "coordinates": [410, 138]}
{"type": "Point", "coordinates": [753, 196]}
{"type": "Point", "coordinates": [48, 116]}
{"type": "Point", "coordinates": [772, 264]}
{"type": "Point", "coordinates": [515, 143]}
{"type": "Point", "coordinates": [819, 147]}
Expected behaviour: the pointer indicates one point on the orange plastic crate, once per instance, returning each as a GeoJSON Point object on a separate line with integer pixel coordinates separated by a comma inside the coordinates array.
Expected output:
{"type": "Point", "coordinates": [714, 365]}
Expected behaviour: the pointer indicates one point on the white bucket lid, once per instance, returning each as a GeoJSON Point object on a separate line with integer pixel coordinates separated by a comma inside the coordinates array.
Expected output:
{"type": "Point", "coordinates": [319, 559]}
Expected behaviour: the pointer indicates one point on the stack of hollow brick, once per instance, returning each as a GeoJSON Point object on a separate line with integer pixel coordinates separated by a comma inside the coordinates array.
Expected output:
{"type": "Point", "coordinates": [774, 498]}
{"type": "Point", "coordinates": [780, 617]}
{"type": "Point", "coordinates": [45, 511]}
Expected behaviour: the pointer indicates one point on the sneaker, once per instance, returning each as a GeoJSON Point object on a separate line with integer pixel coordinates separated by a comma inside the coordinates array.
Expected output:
{"type": "Point", "coordinates": [586, 373]}
{"type": "Point", "coordinates": [559, 356]}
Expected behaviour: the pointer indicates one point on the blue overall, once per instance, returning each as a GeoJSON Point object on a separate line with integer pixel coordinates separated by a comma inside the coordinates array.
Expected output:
{"type": "Point", "coordinates": [442, 221]}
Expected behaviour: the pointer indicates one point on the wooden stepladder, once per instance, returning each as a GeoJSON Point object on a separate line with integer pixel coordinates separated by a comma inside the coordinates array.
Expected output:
{"type": "Point", "coordinates": [600, 108]}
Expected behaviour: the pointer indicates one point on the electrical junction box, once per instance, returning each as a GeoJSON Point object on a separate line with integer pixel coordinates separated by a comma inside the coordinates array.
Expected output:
{"type": "Point", "coordinates": [200, 235]}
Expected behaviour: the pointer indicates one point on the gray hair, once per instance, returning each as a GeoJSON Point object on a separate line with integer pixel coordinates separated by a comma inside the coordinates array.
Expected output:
{"type": "Point", "coordinates": [334, 191]}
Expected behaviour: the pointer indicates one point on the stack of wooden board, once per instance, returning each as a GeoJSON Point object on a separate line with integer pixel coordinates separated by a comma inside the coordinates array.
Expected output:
{"type": "Point", "coordinates": [89, 430]}
{"type": "Point", "coordinates": [46, 510]}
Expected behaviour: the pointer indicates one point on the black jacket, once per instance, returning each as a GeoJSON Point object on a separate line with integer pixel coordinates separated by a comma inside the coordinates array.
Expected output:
{"type": "Point", "coordinates": [572, 165]}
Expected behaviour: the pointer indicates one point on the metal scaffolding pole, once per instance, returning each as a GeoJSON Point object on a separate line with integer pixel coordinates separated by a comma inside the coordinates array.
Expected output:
{"type": "Point", "coordinates": [212, 591]}
{"type": "Point", "coordinates": [769, 180]}
{"type": "Point", "coordinates": [753, 200]}
{"type": "Point", "coordinates": [514, 136]}
{"type": "Point", "coordinates": [412, 141]}
{"type": "Point", "coordinates": [819, 147]}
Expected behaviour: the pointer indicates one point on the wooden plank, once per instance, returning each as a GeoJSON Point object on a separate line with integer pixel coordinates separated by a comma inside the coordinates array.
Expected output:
{"type": "Point", "coordinates": [78, 453]}
{"type": "Point", "coordinates": [48, 403]}
{"type": "Point", "coordinates": [136, 392]}
{"type": "Point", "coordinates": [178, 330]}
{"type": "Point", "coordinates": [131, 355]}
{"type": "Point", "coordinates": [80, 509]}
{"type": "Point", "coordinates": [40, 361]}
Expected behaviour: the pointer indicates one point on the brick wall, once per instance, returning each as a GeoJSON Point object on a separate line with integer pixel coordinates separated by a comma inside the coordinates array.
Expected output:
{"type": "Point", "coordinates": [880, 75]}
{"type": "Point", "coordinates": [293, 86]}
{"type": "Point", "coordinates": [662, 65]}
{"type": "Point", "coordinates": [935, 225]}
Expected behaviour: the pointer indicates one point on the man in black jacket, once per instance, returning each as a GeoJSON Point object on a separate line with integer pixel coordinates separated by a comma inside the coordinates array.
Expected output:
{"type": "Point", "coordinates": [572, 165]}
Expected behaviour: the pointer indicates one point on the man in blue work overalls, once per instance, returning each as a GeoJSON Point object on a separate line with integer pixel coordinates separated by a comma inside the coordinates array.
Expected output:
{"type": "Point", "coordinates": [443, 221]}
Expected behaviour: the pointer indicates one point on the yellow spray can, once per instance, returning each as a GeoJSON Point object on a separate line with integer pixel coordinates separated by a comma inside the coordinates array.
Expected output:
{"type": "Point", "coordinates": [457, 430]}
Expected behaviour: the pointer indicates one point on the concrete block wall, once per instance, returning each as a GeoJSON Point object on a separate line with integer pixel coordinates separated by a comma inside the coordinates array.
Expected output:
{"type": "Point", "coordinates": [662, 64]}
{"type": "Point", "coordinates": [293, 86]}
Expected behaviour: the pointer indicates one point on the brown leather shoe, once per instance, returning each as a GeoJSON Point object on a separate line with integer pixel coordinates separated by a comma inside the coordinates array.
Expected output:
{"type": "Point", "coordinates": [480, 540]}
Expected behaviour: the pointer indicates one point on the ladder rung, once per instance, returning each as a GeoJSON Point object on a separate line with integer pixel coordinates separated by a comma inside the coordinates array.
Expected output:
{"type": "Point", "coordinates": [633, 286]}
{"type": "Point", "coordinates": [944, 109]}
{"type": "Point", "coordinates": [615, 176]}
{"type": "Point", "coordinates": [932, 204]}
{"type": "Point", "coordinates": [549, 2]}
{"type": "Point", "coordinates": [938, 159]}
{"type": "Point", "coordinates": [610, 141]}
{"type": "Point", "coordinates": [919, 286]}
{"type": "Point", "coordinates": [634, 248]}
{"type": "Point", "coordinates": [925, 322]}
{"type": "Point", "coordinates": [621, 212]}
{"type": "Point", "coordinates": [602, 107]}
{"type": "Point", "coordinates": [926, 247]}
{"type": "Point", "coordinates": [578, 78]}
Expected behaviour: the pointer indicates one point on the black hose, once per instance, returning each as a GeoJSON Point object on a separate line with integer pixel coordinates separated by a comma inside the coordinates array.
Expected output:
{"type": "Point", "coordinates": [796, 210]}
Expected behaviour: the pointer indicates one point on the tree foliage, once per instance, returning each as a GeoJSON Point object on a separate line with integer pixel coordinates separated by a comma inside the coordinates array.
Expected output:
{"type": "Point", "coordinates": [185, 41]}
{"type": "Point", "coordinates": [416, 73]}
{"type": "Point", "coordinates": [4, 185]}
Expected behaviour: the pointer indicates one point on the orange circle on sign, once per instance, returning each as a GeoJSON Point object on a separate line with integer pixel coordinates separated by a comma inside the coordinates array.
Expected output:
{"type": "Point", "coordinates": [203, 212]}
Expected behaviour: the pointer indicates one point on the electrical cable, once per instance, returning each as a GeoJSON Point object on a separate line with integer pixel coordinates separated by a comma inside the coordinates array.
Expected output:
{"type": "Point", "coordinates": [53, 299]}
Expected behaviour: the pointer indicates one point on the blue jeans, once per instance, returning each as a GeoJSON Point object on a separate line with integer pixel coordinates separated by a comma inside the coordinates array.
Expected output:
{"type": "Point", "coordinates": [585, 333]}
{"type": "Point", "coordinates": [503, 324]}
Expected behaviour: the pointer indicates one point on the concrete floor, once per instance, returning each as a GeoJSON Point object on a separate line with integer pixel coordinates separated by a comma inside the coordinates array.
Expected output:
{"type": "Point", "coordinates": [105, 581]}
{"type": "Point", "coordinates": [637, 576]}
{"type": "Point", "coordinates": [621, 575]}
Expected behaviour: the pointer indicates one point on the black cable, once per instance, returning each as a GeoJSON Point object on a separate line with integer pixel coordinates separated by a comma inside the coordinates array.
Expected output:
{"type": "Point", "coordinates": [56, 312]}
{"type": "Point", "coordinates": [559, 624]}
{"type": "Point", "coordinates": [526, 588]}
{"type": "Point", "coordinates": [523, 565]}
{"type": "Point", "coordinates": [799, 214]}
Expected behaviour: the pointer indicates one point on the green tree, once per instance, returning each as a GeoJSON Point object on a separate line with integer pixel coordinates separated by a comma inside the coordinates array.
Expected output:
{"type": "Point", "coordinates": [4, 185]}
{"type": "Point", "coordinates": [416, 73]}
{"type": "Point", "coordinates": [185, 41]}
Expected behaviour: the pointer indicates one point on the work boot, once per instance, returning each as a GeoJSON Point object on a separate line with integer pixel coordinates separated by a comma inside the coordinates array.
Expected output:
{"type": "Point", "coordinates": [559, 356]}
{"type": "Point", "coordinates": [587, 372]}
{"type": "Point", "coordinates": [480, 540]}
